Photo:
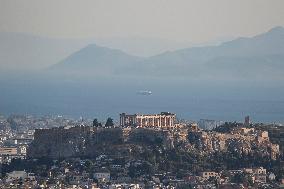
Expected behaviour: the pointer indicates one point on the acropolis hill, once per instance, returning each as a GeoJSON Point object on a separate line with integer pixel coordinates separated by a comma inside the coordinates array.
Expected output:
{"type": "Point", "coordinates": [87, 141]}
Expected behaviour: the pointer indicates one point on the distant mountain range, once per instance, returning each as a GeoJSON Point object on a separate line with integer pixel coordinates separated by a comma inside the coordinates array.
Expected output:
{"type": "Point", "coordinates": [28, 52]}
{"type": "Point", "coordinates": [260, 56]}
{"type": "Point", "coordinates": [95, 60]}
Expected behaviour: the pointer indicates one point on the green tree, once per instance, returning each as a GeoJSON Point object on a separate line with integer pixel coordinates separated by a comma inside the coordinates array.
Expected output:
{"type": "Point", "coordinates": [238, 178]}
{"type": "Point", "coordinates": [96, 123]}
{"type": "Point", "coordinates": [109, 122]}
{"type": "Point", "coordinates": [88, 164]}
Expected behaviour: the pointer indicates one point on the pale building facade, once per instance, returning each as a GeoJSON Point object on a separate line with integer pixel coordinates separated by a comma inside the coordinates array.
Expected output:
{"type": "Point", "coordinates": [8, 151]}
{"type": "Point", "coordinates": [102, 176]}
{"type": "Point", "coordinates": [208, 174]}
{"type": "Point", "coordinates": [163, 120]}
{"type": "Point", "coordinates": [15, 175]}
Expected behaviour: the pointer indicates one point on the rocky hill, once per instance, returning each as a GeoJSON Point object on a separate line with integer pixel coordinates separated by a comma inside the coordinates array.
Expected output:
{"type": "Point", "coordinates": [89, 142]}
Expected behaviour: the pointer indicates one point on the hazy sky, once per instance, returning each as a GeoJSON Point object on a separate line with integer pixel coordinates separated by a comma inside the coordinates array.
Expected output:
{"type": "Point", "coordinates": [189, 20]}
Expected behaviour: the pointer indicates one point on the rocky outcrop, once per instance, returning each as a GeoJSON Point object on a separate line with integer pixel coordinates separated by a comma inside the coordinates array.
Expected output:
{"type": "Point", "coordinates": [251, 141]}
{"type": "Point", "coordinates": [89, 141]}
{"type": "Point", "coordinates": [72, 142]}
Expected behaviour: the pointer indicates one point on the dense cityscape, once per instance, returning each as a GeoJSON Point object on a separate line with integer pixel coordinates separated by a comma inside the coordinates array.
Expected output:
{"type": "Point", "coordinates": [139, 151]}
{"type": "Point", "coordinates": [142, 94]}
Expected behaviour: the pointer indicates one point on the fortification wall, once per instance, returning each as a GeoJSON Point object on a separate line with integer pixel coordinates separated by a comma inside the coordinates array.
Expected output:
{"type": "Point", "coordinates": [88, 141]}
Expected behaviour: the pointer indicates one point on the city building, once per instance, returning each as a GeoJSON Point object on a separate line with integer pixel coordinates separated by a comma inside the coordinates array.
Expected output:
{"type": "Point", "coordinates": [8, 151]}
{"type": "Point", "coordinates": [208, 174]}
{"type": "Point", "coordinates": [15, 175]}
{"type": "Point", "coordinates": [247, 121]}
{"type": "Point", "coordinates": [102, 176]}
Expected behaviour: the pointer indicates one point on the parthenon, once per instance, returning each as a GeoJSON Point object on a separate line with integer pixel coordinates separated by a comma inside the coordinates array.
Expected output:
{"type": "Point", "coordinates": [162, 120]}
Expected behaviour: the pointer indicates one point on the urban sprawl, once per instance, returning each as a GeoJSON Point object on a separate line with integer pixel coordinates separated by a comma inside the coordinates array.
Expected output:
{"type": "Point", "coordinates": [139, 151]}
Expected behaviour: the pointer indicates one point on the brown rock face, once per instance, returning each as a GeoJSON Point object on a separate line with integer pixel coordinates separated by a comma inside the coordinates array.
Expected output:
{"type": "Point", "coordinates": [89, 141]}
{"type": "Point", "coordinates": [72, 142]}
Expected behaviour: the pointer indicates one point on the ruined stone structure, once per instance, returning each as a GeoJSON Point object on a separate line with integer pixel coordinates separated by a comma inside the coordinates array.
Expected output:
{"type": "Point", "coordinates": [241, 140]}
{"type": "Point", "coordinates": [163, 120]}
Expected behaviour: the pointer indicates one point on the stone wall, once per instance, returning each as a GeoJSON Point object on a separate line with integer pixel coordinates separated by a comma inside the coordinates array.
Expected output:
{"type": "Point", "coordinates": [149, 136]}
{"type": "Point", "coordinates": [59, 142]}
{"type": "Point", "coordinates": [88, 141]}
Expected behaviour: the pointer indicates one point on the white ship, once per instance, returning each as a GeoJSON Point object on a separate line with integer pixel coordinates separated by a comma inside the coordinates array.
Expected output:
{"type": "Point", "coordinates": [144, 92]}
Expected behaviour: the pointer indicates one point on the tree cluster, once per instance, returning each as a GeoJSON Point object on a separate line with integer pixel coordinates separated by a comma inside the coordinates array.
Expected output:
{"type": "Point", "coordinates": [109, 123]}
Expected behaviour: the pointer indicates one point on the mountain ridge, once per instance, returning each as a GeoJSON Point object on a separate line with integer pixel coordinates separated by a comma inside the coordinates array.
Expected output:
{"type": "Point", "coordinates": [256, 51]}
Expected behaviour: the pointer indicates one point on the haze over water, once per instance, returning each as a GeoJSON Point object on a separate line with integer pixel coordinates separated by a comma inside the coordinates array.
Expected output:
{"type": "Point", "coordinates": [104, 97]}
